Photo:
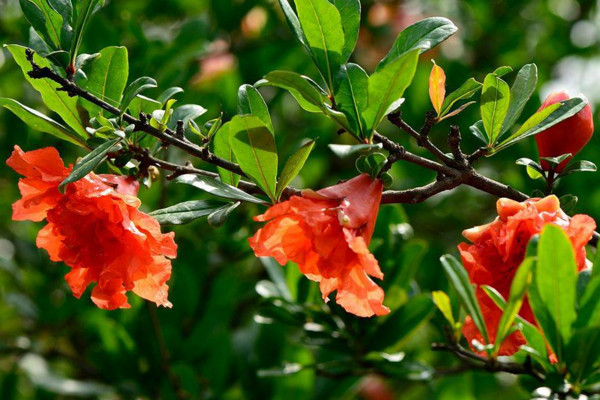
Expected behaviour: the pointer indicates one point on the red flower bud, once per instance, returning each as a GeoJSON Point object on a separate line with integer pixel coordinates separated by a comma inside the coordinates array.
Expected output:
{"type": "Point", "coordinates": [568, 136]}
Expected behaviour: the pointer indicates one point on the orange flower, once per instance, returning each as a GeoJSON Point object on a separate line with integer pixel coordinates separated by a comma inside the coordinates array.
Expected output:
{"type": "Point", "coordinates": [327, 233]}
{"type": "Point", "coordinates": [499, 248]}
{"type": "Point", "coordinates": [96, 229]}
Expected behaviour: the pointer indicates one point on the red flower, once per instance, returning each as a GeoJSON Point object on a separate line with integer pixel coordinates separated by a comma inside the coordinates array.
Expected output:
{"type": "Point", "coordinates": [327, 233]}
{"type": "Point", "coordinates": [568, 136]}
{"type": "Point", "coordinates": [499, 248]}
{"type": "Point", "coordinates": [96, 229]}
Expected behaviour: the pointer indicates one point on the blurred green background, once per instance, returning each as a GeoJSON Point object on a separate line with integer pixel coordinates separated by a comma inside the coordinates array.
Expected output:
{"type": "Point", "coordinates": [212, 345]}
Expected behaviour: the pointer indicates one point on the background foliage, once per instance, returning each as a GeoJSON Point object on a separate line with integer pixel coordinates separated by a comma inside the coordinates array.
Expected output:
{"type": "Point", "coordinates": [212, 344]}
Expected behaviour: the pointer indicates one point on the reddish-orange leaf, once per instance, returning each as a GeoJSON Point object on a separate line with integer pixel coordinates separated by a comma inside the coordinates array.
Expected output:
{"type": "Point", "coordinates": [437, 87]}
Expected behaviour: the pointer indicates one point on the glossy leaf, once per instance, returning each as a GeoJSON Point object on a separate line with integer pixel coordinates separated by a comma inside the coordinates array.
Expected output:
{"type": "Point", "coordinates": [350, 14]}
{"type": "Point", "coordinates": [555, 282]}
{"type": "Point", "coordinates": [107, 78]}
{"type": "Point", "coordinates": [422, 35]}
{"type": "Point", "coordinates": [47, 22]}
{"type": "Point", "coordinates": [345, 150]}
{"type": "Point", "coordinates": [82, 13]}
{"type": "Point", "coordinates": [520, 92]}
{"type": "Point", "coordinates": [386, 87]}
{"type": "Point", "coordinates": [218, 188]}
{"type": "Point", "coordinates": [303, 91]}
{"type": "Point", "coordinates": [495, 100]}
{"type": "Point", "coordinates": [88, 163]}
{"type": "Point", "coordinates": [465, 91]}
{"type": "Point", "coordinates": [168, 94]}
{"type": "Point", "coordinates": [39, 122]}
{"type": "Point", "coordinates": [459, 279]}
{"type": "Point", "coordinates": [136, 87]}
{"type": "Point", "coordinates": [322, 27]}
{"type": "Point", "coordinates": [255, 150]}
{"type": "Point", "coordinates": [478, 131]}
{"type": "Point", "coordinates": [185, 212]}
{"type": "Point", "coordinates": [186, 113]}
{"type": "Point", "coordinates": [579, 166]}
{"type": "Point", "coordinates": [352, 95]}
{"type": "Point", "coordinates": [583, 353]}
{"type": "Point", "coordinates": [220, 216]}
{"type": "Point", "coordinates": [222, 148]}
{"type": "Point", "coordinates": [59, 102]}
{"type": "Point", "coordinates": [250, 101]}
{"type": "Point", "coordinates": [293, 166]}
{"type": "Point", "coordinates": [294, 23]}
{"type": "Point", "coordinates": [543, 120]}
{"type": "Point", "coordinates": [518, 288]}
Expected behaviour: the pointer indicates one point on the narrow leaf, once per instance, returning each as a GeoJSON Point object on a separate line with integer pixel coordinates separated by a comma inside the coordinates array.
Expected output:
{"type": "Point", "coordinates": [352, 96]}
{"type": "Point", "coordinates": [39, 122]}
{"type": "Point", "coordinates": [520, 93]}
{"type": "Point", "coordinates": [255, 150]}
{"type": "Point", "coordinates": [293, 166]}
{"type": "Point", "coordinates": [459, 279]}
{"type": "Point", "coordinates": [136, 87]}
{"type": "Point", "coordinates": [218, 217]}
{"type": "Point", "coordinates": [350, 15]}
{"type": "Point", "coordinates": [88, 163]}
{"type": "Point", "coordinates": [495, 100]}
{"type": "Point", "coordinates": [185, 212]}
{"type": "Point", "coordinates": [251, 102]}
{"type": "Point", "coordinates": [465, 91]}
{"type": "Point", "coordinates": [218, 188]}
{"type": "Point", "coordinates": [303, 91]}
{"type": "Point", "coordinates": [222, 148]}
{"type": "Point", "coordinates": [437, 87]}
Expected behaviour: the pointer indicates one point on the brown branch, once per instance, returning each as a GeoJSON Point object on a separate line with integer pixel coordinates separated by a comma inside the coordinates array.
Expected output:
{"type": "Point", "coordinates": [168, 137]}
{"type": "Point", "coordinates": [477, 361]}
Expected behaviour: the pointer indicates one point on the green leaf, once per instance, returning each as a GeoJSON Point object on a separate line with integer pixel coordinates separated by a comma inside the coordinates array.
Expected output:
{"type": "Point", "coordinates": [221, 215]}
{"type": "Point", "coordinates": [322, 27]}
{"type": "Point", "coordinates": [82, 13]}
{"type": "Point", "coordinates": [352, 96]}
{"type": "Point", "coordinates": [423, 35]}
{"type": "Point", "coordinates": [518, 288]}
{"type": "Point", "coordinates": [59, 102]}
{"type": "Point", "coordinates": [536, 343]}
{"type": "Point", "coordinates": [478, 131]}
{"type": "Point", "coordinates": [303, 91]}
{"type": "Point", "coordinates": [222, 148]}
{"type": "Point", "coordinates": [589, 306]}
{"type": "Point", "coordinates": [501, 71]}
{"type": "Point", "coordinates": [520, 93]}
{"type": "Point", "coordinates": [294, 23]}
{"type": "Point", "coordinates": [46, 21]}
{"type": "Point", "coordinates": [442, 302]}
{"type": "Point", "coordinates": [40, 122]}
{"type": "Point", "coordinates": [107, 78]}
{"type": "Point", "coordinates": [251, 102]}
{"type": "Point", "coordinates": [495, 100]}
{"type": "Point", "coordinates": [459, 279]}
{"type": "Point", "coordinates": [186, 212]}
{"type": "Point", "coordinates": [350, 14]}
{"type": "Point", "coordinates": [579, 166]}
{"type": "Point", "coordinates": [88, 163]}
{"type": "Point", "coordinates": [168, 94]}
{"type": "Point", "coordinates": [293, 166]}
{"type": "Point", "coordinates": [401, 323]}
{"type": "Point", "coordinates": [186, 113]}
{"type": "Point", "coordinates": [556, 280]}
{"type": "Point", "coordinates": [345, 150]}
{"type": "Point", "coordinates": [542, 120]}
{"type": "Point", "coordinates": [371, 164]}
{"type": "Point", "coordinates": [583, 354]}
{"type": "Point", "coordinates": [465, 91]}
{"type": "Point", "coordinates": [218, 188]}
{"type": "Point", "coordinates": [136, 87]}
{"type": "Point", "coordinates": [386, 87]}
{"type": "Point", "coordinates": [255, 150]}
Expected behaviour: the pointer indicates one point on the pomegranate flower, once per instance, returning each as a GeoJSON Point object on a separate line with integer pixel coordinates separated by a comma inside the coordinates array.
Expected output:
{"type": "Point", "coordinates": [327, 233]}
{"type": "Point", "coordinates": [498, 249]}
{"type": "Point", "coordinates": [96, 229]}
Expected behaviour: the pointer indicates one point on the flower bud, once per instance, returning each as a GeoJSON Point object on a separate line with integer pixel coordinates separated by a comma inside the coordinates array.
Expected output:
{"type": "Point", "coordinates": [568, 136]}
